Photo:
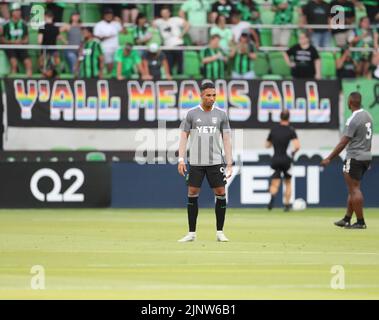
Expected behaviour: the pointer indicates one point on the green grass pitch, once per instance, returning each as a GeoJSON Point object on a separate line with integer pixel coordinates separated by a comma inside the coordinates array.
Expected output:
{"type": "Point", "coordinates": [134, 254]}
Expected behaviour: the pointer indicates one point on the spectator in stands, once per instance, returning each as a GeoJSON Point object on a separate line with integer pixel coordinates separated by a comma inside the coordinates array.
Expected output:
{"type": "Point", "coordinates": [143, 31]}
{"type": "Point", "coordinates": [91, 59]}
{"type": "Point", "coordinates": [364, 38]}
{"type": "Point", "coordinates": [239, 27]}
{"type": "Point", "coordinates": [196, 11]}
{"type": "Point", "coordinates": [107, 31]}
{"type": "Point", "coordinates": [4, 11]}
{"type": "Point", "coordinates": [153, 60]}
{"type": "Point", "coordinates": [242, 57]}
{"type": "Point", "coordinates": [74, 38]}
{"type": "Point", "coordinates": [127, 61]}
{"type": "Point", "coordinates": [346, 67]}
{"type": "Point", "coordinates": [15, 32]}
{"type": "Point", "coordinates": [225, 33]}
{"type": "Point", "coordinates": [172, 30]}
{"type": "Point", "coordinates": [372, 10]}
{"type": "Point", "coordinates": [213, 59]}
{"type": "Point", "coordinates": [47, 36]}
{"type": "Point", "coordinates": [223, 8]}
{"type": "Point", "coordinates": [347, 9]}
{"type": "Point", "coordinates": [249, 11]}
{"type": "Point", "coordinates": [317, 12]}
{"type": "Point", "coordinates": [306, 60]}
{"type": "Point", "coordinates": [283, 15]}
{"type": "Point", "coordinates": [129, 13]}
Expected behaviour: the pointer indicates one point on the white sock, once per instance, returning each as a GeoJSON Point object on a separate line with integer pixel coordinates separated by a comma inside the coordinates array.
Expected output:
{"type": "Point", "coordinates": [192, 233]}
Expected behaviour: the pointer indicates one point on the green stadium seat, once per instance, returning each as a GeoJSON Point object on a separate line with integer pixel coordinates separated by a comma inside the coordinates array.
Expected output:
{"type": "Point", "coordinates": [328, 65]}
{"type": "Point", "coordinates": [261, 65]}
{"type": "Point", "coordinates": [68, 10]}
{"type": "Point", "coordinates": [90, 12]}
{"type": "Point", "coordinates": [278, 64]}
{"type": "Point", "coordinates": [4, 64]}
{"type": "Point", "coordinates": [265, 37]}
{"type": "Point", "coordinates": [272, 77]}
{"type": "Point", "coordinates": [96, 156]}
{"type": "Point", "coordinates": [191, 64]}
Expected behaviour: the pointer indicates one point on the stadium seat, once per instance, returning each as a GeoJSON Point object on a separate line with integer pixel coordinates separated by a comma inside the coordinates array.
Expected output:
{"type": "Point", "coordinates": [328, 65]}
{"type": "Point", "coordinates": [265, 36]}
{"type": "Point", "coordinates": [96, 156]}
{"type": "Point", "coordinates": [68, 10]}
{"type": "Point", "coordinates": [4, 64]}
{"type": "Point", "coordinates": [278, 65]}
{"type": "Point", "coordinates": [90, 12]}
{"type": "Point", "coordinates": [191, 64]}
{"type": "Point", "coordinates": [261, 66]}
{"type": "Point", "coordinates": [272, 77]}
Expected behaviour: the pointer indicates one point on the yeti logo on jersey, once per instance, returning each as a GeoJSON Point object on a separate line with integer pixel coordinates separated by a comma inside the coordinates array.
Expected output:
{"type": "Point", "coordinates": [206, 129]}
{"type": "Point", "coordinates": [214, 120]}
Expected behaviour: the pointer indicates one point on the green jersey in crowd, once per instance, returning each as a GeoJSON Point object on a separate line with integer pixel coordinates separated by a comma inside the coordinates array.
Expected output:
{"type": "Point", "coordinates": [214, 69]}
{"type": "Point", "coordinates": [284, 16]}
{"type": "Point", "coordinates": [15, 30]}
{"type": "Point", "coordinates": [89, 60]}
{"type": "Point", "coordinates": [128, 62]}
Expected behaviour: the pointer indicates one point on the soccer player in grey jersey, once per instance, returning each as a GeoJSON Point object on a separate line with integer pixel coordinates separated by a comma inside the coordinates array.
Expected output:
{"type": "Point", "coordinates": [206, 126]}
{"type": "Point", "coordinates": [357, 137]}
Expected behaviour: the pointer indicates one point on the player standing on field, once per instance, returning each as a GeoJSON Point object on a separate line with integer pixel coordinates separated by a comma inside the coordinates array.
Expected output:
{"type": "Point", "coordinates": [357, 137]}
{"type": "Point", "coordinates": [206, 125]}
{"type": "Point", "coordinates": [280, 137]}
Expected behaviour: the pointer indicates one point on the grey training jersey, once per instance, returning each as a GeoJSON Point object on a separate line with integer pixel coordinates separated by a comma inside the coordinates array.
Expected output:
{"type": "Point", "coordinates": [205, 128]}
{"type": "Point", "coordinates": [359, 129]}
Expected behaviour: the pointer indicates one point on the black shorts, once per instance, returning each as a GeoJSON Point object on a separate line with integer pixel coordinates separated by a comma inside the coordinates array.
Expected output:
{"type": "Point", "coordinates": [215, 176]}
{"type": "Point", "coordinates": [355, 168]}
{"type": "Point", "coordinates": [20, 55]}
{"type": "Point", "coordinates": [282, 169]}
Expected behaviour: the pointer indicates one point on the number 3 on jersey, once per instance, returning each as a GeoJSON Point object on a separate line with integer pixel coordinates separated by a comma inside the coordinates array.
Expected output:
{"type": "Point", "coordinates": [369, 131]}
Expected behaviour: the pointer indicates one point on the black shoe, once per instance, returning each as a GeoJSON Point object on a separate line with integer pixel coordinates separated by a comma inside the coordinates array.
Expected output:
{"type": "Point", "coordinates": [342, 223]}
{"type": "Point", "coordinates": [287, 208]}
{"type": "Point", "coordinates": [271, 204]}
{"type": "Point", "coordinates": [356, 226]}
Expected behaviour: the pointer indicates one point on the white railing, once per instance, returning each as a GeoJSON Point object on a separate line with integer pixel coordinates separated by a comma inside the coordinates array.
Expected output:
{"type": "Point", "coordinates": [183, 48]}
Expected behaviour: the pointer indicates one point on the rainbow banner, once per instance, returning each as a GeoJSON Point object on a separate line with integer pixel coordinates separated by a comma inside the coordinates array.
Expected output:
{"type": "Point", "coordinates": [142, 104]}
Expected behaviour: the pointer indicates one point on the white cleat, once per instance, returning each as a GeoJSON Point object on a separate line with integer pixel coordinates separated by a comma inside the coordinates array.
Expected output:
{"type": "Point", "coordinates": [221, 237]}
{"type": "Point", "coordinates": [191, 236]}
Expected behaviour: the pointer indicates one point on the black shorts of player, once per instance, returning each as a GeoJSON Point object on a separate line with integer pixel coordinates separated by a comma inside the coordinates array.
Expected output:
{"type": "Point", "coordinates": [20, 55]}
{"type": "Point", "coordinates": [355, 168]}
{"type": "Point", "coordinates": [215, 176]}
{"type": "Point", "coordinates": [281, 169]}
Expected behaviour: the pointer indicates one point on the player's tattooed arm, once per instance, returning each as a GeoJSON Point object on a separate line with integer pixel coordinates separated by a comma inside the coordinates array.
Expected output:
{"type": "Point", "coordinates": [337, 150]}
{"type": "Point", "coordinates": [227, 140]}
{"type": "Point", "coordinates": [182, 152]}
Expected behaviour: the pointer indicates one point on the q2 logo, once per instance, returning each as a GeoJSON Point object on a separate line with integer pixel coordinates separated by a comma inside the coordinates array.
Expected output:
{"type": "Point", "coordinates": [55, 194]}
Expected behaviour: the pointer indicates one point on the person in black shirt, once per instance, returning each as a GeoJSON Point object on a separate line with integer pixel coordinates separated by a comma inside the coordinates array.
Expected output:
{"type": "Point", "coordinates": [347, 8]}
{"type": "Point", "coordinates": [317, 12]}
{"type": "Point", "coordinates": [279, 138]}
{"type": "Point", "coordinates": [346, 67]}
{"type": "Point", "coordinates": [222, 8]}
{"type": "Point", "coordinates": [306, 61]}
{"type": "Point", "coordinates": [48, 35]}
{"type": "Point", "coordinates": [152, 62]}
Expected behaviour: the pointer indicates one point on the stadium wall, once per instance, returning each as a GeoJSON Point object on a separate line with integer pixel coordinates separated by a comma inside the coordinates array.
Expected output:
{"type": "Point", "coordinates": [131, 185]}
